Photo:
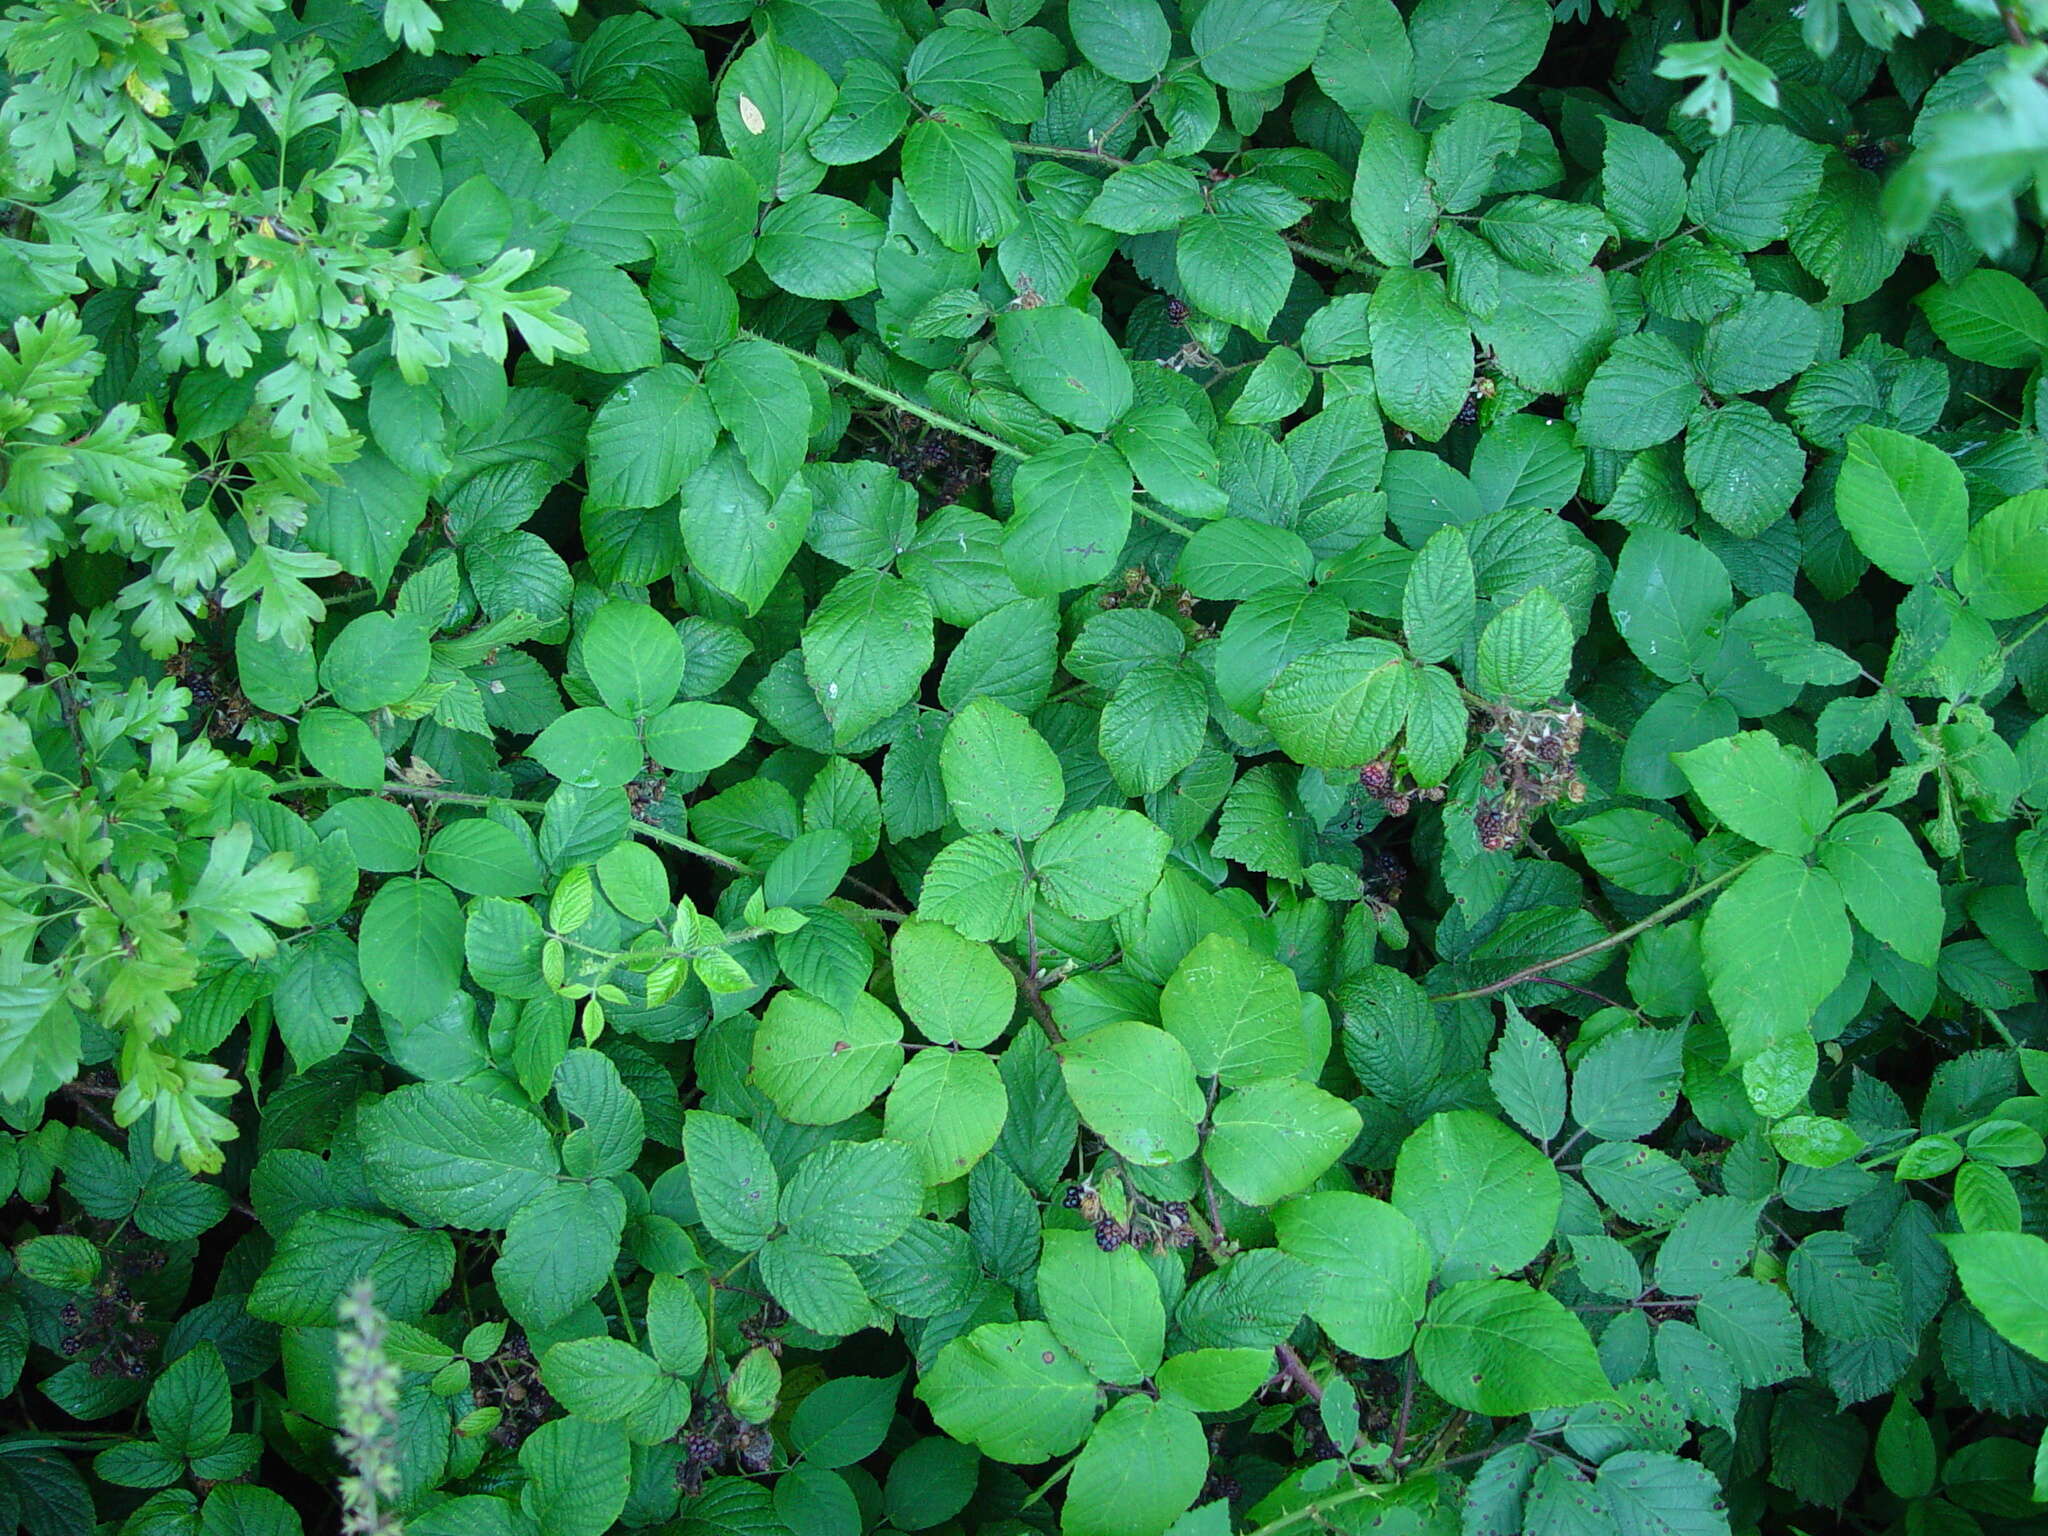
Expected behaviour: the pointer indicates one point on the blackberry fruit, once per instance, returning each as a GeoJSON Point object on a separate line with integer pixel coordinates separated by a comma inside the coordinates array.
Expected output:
{"type": "Point", "coordinates": [1468, 413]}
{"type": "Point", "coordinates": [1109, 1235]}
{"type": "Point", "coordinates": [702, 1448]}
{"type": "Point", "coordinates": [1072, 1198]}
{"type": "Point", "coordinates": [70, 1344]}
{"type": "Point", "coordinates": [1177, 311]}
{"type": "Point", "coordinates": [1871, 156]}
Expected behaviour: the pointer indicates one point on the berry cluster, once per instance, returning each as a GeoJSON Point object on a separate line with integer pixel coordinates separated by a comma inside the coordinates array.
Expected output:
{"type": "Point", "coordinates": [1483, 389]}
{"type": "Point", "coordinates": [759, 1329]}
{"type": "Point", "coordinates": [1156, 1224]}
{"type": "Point", "coordinates": [112, 1323]}
{"type": "Point", "coordinates": [947, 465]}
{"type": "Point", "coordinates": [1395, 788]}
{"type": "Point", "coordinates": [213, 695]}
{"type": "Point", "coordinates": [1385, 876]}
{"type": "Point", "coordinates": [712, 1438]}
{"type": "Point", "coordinates": [1534, 767]}
{"type": "Point", "coordinates": [1870, 154]}
{"type": "Point", "coordinates": [510, 1382]}
{"type": "Point", "coordinates": [645, 793]}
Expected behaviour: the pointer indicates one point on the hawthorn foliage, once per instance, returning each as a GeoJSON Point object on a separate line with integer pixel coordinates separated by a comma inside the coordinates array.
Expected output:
{"type": "Point", "coordinates": [833, 766]}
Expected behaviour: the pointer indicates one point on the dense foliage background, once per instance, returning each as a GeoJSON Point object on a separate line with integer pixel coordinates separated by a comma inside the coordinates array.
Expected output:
{"type": "Point", "coordinates": [831, 766]}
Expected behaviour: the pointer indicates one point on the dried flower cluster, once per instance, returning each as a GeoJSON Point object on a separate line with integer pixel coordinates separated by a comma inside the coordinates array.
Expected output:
{"type": "Point", "coordinates": [368, 1393]}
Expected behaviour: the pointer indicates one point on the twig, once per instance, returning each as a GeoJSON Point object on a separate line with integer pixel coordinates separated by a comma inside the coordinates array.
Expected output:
{"type": "Point", "coordinates": [1292, 1368]}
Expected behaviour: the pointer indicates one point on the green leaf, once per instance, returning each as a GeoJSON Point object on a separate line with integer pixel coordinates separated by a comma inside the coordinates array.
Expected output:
{"type": "Point", "coordinates": [1238, 1014]}
{"type": "Point", "coordinates": [1436, 602]}
{"type": "Point", "coordinates": [1373, 1265]}
{"type": "Point", "coordinates": [1258, 45]}
{"type": "Point", "coordinates": [2003, 572]}
{"type": "Point", "coordinates": [1234, 267]}
{"type": "Point", "coordinates": [853, 1198]}
{"type": "Point", "coordinates": [1886, 882]}
{"type": "Point", "coordinates": [1626, 1084]}
{"type": "Point", "coordinates": [1775, 944]}
{"type": "Point", "coordinates": [599, 1379]}
{"type": "Point", "coordinates": [820, 247]}
{"type": "Point", "coordinates": [559, 1251]}
{"type": "Point", "coordinates": [818, 1064]}
{"type": "Point", "coordinates": [445, 1155]}
{"type": "Point", "coordinates": [1500, 1347]}
{"type": "Point", "coordinates": [578, 1476]}
{"type": "Point", "coordinates": [1745, 466]}
{"type": "Point", "coordinates": [770, 100]}
{"type": "Point", "coordinates": [819, 1290]}
{"type": "Point", "coordinates": [984, 71]}
{"type": "Point", "coordinates": [1339, 706]}
{"type": "Point", "coordinates": [1105, 1307]}
{"type": "Point", "coordinates": [1484, 1200]}
{"type": "Point", "coordinates": [1748, 182]}
{"type": "Point", "coordinates": [1642, 182]}
{"type": "Point", "coordinates": [1393, 206]}
{"type": "Point", "coordinates": [1422, 351]}
{"type": "Point", "coordinates": [1144, 1463]}
{"type": "Point", "coordinates": [1525, 652]}
{"type": "Point", "coordinates": [634, 658]}
{"type": "Point", "coordinates": [1466, 50]}
{"type": "Point", "coordinates": [731, 1179]}
{"type": "Point", "coordinates": [1153, 726]}
{"type": "Point", "coordinates": [1639, 851]}
{"type": "Point", "coordinates": [759, 394]}
{"type": "Point", "coordinates": [590, 749]}
{"type": "Point", "coordinates": [956, 991]}
{"type": "Point", "coordinates": [1066, 364]}
{"type": "Point", "coordinates": [738, 536]}
{"type": "Point", "coordinates": [1272, 1139]}
{"type": "Point", "coordinates": [695, 737]}
{"type": "Point", "coordinates": [948, 1107]}
{"type": "Point", "coordinates": [844, 1419]}
{"type": "Point", "coordinates": [1669, 599]}
{"type": "Point", "coordinates": [1125, 39]}
{"type": "Point", "coordinates": [379, 659]}
{"type": "Point", "coordinates": [190, 1410]}
{"type": "Point", "coordinates": [1756, 785]}
{"type": "Point", "coordinates": [976, 885]}
{"type": "Point", "coordinates": [651, 434]}
{"type": "Point", "coordinates": [1903, 502]}
{"type": "Point", "coordinates": [961, 177]}
{"type": "Point", "coordinates": [323, 1251]}
{"type": "Point", "coordinates": [2005, 1276]}
{"type": "Point", "coordinates": [1527, 1077]}
{"type": "Point", "coordinates": [1988, 316]}
{"type": "Point", "coordinates": [1073, 514]}
{"type": "Point", "coordinates": [1099, 863]}
{"type": "Point", "coordinates": [999, 774]}
{"type": "Point", "coordinates": [866, 649]}
{"type": "Point", "coordinates": [1142, 199]}
{"type": "Point", "coordinates": [1011, 1390]}
{"type": "Point", "coordinates": [1135, 1087]}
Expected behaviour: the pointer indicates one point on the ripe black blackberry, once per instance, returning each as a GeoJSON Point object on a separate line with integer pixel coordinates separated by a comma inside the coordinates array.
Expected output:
{"type": "Point", "coordinates": [1109, 1235]}
{"type": "Point", "coordinates": [702, 1449]}
{"type": "Point", "coordinates": [1871, 155]}
{"type": "Point", "coordinates": [1072, 1198]}
{"type": "Point", "coordinates": [1177, 311]}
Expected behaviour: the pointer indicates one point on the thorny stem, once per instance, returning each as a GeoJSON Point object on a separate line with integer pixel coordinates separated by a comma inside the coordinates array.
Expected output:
{"type": "Point", "coordinates": [1535, 972]}
{"type": "Point", "coordinates": [1668, 910]}
{"type": "Point", "coordinates": [640, 828]}
{"type": "Point", "coordinates": [1320, 1508]}
{"type": "Point", "coordinates": [952, 424]}
{"type": "Point", "coordinates": [1335, 260]}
